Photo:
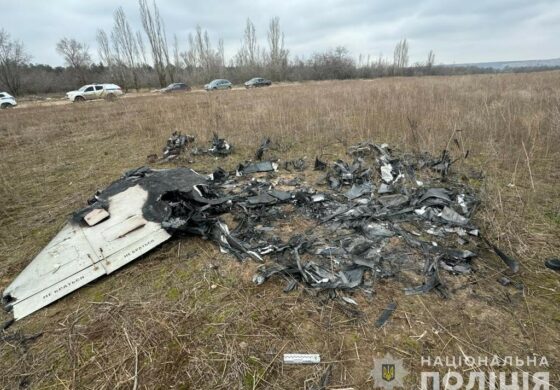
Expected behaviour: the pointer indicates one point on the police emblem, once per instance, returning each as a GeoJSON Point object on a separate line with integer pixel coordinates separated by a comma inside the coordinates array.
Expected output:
{"type": "Point", "coordinates": [388, 373]}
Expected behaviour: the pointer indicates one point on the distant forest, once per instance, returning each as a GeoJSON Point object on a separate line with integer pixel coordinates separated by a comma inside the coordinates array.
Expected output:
{"type": "Point", "coordinates": [148, 59]}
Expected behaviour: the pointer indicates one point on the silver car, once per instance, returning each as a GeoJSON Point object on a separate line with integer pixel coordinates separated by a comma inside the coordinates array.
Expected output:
{"type": "Point", "coordinates": [218, 84]}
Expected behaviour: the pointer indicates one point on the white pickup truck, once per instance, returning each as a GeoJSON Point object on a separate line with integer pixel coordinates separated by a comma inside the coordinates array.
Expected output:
{"type": "Point", "coordinates": [95, 91]}
{"type": "Point", "coordinates": [7, 100]}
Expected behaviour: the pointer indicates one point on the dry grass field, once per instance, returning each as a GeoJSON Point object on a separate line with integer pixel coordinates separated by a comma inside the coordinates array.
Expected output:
{"type": "Point", "coordinates": [186, 316]}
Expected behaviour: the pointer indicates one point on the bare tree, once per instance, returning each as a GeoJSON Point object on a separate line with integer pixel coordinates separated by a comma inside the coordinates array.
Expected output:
{"type": "Point", "coordinates": [431, 59]}
{"type": "Point", "coordinates": [400, 55]}
{"type": "Point", "coordinates": [221, 53]}
{"type": "Point", "coordinates": [103, 48]}
{"type": "Point", "coordinates": [278, 55]}
{"type": "Point", "coordinates": [251, 43]}
{"type": "Point", "coordinates": [190, 57]}
{"type": "Point", "coordinates": [141, 48]}
{"type": "Point", "coordinates": [202, 49]}
{"type": "Point", "coordinates": [201, 60]}
{"type": "Point", "coordinates": [126, 46]}
{"type": "Point", "coordinates": [176, 58]}
{"type": "Point", "coordinates": [76, 55]}
{"type": "Point", "coordinates": [155, 31]}
{"type": "Point", "coordinates": [248, 54]}
{"type": "Point", "coordinates": [110, 59]}
{"type": "Point", "coordinates": [12, 59]}
{"type": "Point", "coordinates": [333, 64]}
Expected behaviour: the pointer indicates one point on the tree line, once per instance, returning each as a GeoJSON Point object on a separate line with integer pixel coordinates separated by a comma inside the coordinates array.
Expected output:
{"type": "Point", "coordinates": [147, 59]}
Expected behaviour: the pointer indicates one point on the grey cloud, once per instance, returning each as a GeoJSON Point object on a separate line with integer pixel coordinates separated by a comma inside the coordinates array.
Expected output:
{"type": "Point", "coordinates": [458, 31]}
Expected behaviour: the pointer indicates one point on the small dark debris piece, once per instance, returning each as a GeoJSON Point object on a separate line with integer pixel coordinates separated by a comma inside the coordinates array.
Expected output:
{"type": "Point", "coordinates": [176, 144]}
{"type": "Point", "coordinates": [323, 381]}
{"type": "Point", "coordinates": [453, 217]}
{"type": "Point", "coordinates": [295, 165]}
{"type": "Point", "coordinates": [280, 195]}
{"type": "Point", "coordinates": [334, 183]}
{"type": "Point", "coordinates": [219, 175]}
{"type": "Point", "coordinates": [432, 281]}
{"type": "Point", "coordinates": [265, 145]}
{"type": "Point", "coordinates": [261, 199]}
{"type": "Point", "coordinates": [385, 189]}
{"type": "Point", "coordinates": [290, 182]}
{"type": "Point", "coordinates": [7, 324]}
{"type": "Point", "coordinates": [292, 284]}
{"type": "Point", "coordinates": [504, 281]}
{"type": "Point", "coordinates": [359, 190]}
{"type": "Point", "coordinates": [220, 147]}
{"type": "Point", "coordinates": [443, 164]}
{"type": "Point", "coordinates": [553, 264]}
{"type": "Point", "coordinates": [385, 315]}
{"type": "Point", "coordinates": [319, 165]}
{"type": "Point", "coordinates": [396, 200]}
{"type": "Point", "coordinates": [510, 261]}
{"type": "Point", "coordinates": [263, 166]}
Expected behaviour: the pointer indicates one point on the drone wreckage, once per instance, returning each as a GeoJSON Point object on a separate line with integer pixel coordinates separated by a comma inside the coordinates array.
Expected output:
{"type": "Point", "coordinates": [378, 217]}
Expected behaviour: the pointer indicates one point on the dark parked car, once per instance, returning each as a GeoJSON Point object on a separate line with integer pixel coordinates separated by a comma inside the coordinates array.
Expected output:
{"type": "Point", "coordinates": [257, 82]}
{"type": "Point", "coordinates": [176, 87]}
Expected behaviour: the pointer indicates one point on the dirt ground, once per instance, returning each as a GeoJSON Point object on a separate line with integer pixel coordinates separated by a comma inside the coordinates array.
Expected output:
{"type": "Point", "coordinates": [186, 316]}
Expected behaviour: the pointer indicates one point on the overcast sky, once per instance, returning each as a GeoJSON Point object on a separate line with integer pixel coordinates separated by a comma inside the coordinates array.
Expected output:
{"type": "Point", "coordinates": [459, 31]}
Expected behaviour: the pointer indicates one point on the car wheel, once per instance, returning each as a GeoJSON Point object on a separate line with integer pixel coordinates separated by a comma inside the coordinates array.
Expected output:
{"type": "Point", "coordinates": [229, 87]}
{"type": "Point", "coordinates": [79, 99]}
{"type": "Point", "coordinates": [110, 97]}
{"type": "Point", "coordinates": [5, 105]}
{"type": "Point", "coordinates": [214, 89]}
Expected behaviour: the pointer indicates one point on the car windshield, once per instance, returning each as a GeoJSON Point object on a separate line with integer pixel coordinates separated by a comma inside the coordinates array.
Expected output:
{"type": "Point", "coordinates": [83, 88]}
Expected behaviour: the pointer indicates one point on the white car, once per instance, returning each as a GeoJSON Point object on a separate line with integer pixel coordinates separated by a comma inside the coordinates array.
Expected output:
{"type": "Point", "coordinates": [7, 100]}
{"type": "Point", "coordinates": [95, 91]}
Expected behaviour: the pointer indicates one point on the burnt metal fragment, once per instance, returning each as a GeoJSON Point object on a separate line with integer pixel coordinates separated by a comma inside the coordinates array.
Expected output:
{"type": "Point", "coordinates": [265, 144]}
{"type": "Point", "coordinates": [393, 201]}
{"type": "Point", "coordinates": [219, 147]}
{"type": "Point", "coordinates": [385, 315]}
{"type": "Point", "coordinates": [319, 165]}
{"type": "Point", "coordinates": [176, 144]}
{"type": "Point", "coordinates": [509, 261]}
{"type": "Point", "coordinates": [295, 165]}
{"type": "Point", "coordinates": [263, 166]}
{"type": "Point", "coordinates": [282, 196]}
{"type": "Point", "coordinates": [359, 190]}
{"type": "Point", "coordinates": [553, 264]}
{"type": "Point", "coordinates": [504, 281]}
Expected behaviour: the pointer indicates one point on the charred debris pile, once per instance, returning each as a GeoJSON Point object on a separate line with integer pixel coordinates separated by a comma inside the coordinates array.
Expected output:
{"type": "Point", "coordinates": [373, 215]}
